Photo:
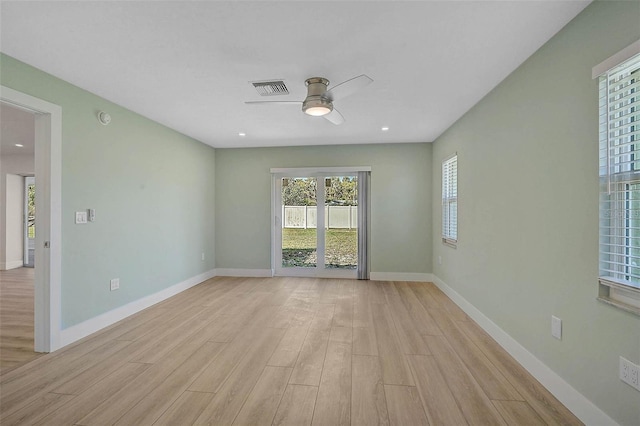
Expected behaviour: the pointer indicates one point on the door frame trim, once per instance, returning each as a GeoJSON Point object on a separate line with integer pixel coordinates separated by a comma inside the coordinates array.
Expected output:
{"type": "Point", "coordinates": [48, 170]}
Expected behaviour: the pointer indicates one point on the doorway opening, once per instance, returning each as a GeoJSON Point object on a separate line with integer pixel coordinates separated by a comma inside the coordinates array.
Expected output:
{"type": "Point", "coordinates": [47, 259]}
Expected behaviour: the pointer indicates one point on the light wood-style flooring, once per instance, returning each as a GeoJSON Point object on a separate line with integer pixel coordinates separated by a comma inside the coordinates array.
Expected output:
{"type": "Point", "coordinates": [284, 351]}
{"type": "Point", "coordinates": [16, 318]}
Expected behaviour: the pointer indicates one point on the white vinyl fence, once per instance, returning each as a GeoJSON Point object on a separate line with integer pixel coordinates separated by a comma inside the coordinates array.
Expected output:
{"type": "Point", "coordinates": [344, 217]}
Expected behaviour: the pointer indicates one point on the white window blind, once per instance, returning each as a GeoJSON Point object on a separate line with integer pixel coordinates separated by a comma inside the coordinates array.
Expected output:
{"type": "Point", "coordinates": [619, 125]}
{"type": "Point", "coordinates": [450, 200]}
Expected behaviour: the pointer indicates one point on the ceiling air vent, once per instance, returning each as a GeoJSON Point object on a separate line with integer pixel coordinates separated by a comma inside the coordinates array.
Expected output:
{"type": "Point", "coordinates": [271, 88]}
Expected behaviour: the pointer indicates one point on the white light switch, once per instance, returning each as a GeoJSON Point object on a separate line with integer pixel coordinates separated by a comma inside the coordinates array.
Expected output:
{"type": "Point", "coordinates": [114, 284]}
{"type": "Point", "coordinates": [81, 217]}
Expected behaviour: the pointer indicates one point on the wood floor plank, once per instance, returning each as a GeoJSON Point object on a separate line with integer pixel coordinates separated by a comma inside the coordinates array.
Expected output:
{"type": "Point", "coordinates": [16, 318]}
{"type": "Point", "coordinates": [404, 406]}
{"type": "Point", "coordinates": [364, 341]}
{"type": "Point", "coordinates": [387, 289]}
{"type": "Point", "coordinates": [296, 407]}
{"type": "Point", "coordinates": [262, 403]}
{"type": "Point", "coordinates": [156, 402]}
{"type": "Point", "coordinates": [518, 413]}
{"type": "Point", "coordinates": [330, 291]}
{"type": "Point", "coordinates": [18, 393]}
{"type": "Point", "coordinates": [411, 340]}
{"type": "Point", "coordinates": [77, 384]}
{"type": "Point", "coordinates": [82, 381]}
{"type": "Point", "coordinates": [181, 328]}
{"type": "Point", "coordinates": [308, 368]}
{"type": "Point", "coordinates": [297, 311]}
{"type": "Point", "coordinates": [333, 404]}
{"type": "Point", "coordinates": [114, 407]}
{"type": "Point", "coordinates": [304, 311]}
{"type": "Point", "coordinates": [368, 403]}
{"type": "Point", "coordinates": [362, 313]}
{"type": "Point", "coordinates": [492, 381]}
{"type": "Point", "coordinates": [286, 354]}
{"type": "Point", "coordinates": [424, 297]}
{"type": "Point", "coordinates": [361, 291]}
{"type": "Point", "coordinates": [375, 293]}
{"type": "Point", "coordinates": [422, 321]}
{"type": "Point", "coordinates": [146, 327]}
{"type": "Point", "coordinates": [439, 404]}
{"type": "Point", "coordinates": [394, 366]}
{"type": "Point", "coordinates": [244, 310]}
{"type": "Point", "coordinates": [186, 409]}
{"type": "Point", "coordinates": [226, 405]}
{"type": "Point", "coordinates": [472, 400]}
{"type": "Point", "coordinates": [83, 404]}
{"type": "Point", "coordinates": [343, 316]}
{"type": "Point", "coordinates": [539, 398]}
{"type": "Point", "coordinates": [36, 410]}
{"type": "Point", "coordinates": [214, 376]}
{"type": "Point", "coordinates": [445, 303]}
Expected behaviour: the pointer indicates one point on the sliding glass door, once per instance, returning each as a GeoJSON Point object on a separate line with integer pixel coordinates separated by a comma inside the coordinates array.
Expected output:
{"type": "Point", "coordinates": [316, 224]}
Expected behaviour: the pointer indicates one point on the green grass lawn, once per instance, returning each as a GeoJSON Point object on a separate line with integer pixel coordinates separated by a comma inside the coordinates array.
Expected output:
{"type": "Point", "coordinates": [299, 248]}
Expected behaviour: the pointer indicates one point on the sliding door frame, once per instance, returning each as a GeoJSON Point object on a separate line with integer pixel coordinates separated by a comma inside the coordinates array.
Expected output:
{"type": "Point", "coordinates": [276, 220]}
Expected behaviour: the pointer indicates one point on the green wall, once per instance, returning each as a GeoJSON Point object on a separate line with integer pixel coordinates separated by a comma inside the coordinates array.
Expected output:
{"type": "Point", "coordinates": [152, 189]}
{"type": "Point", "coordinates": [400, 201]}
{"type": "Point", "coordinates": [528, 209]}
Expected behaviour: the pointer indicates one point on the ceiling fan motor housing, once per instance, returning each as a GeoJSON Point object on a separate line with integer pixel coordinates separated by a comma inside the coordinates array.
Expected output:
{"type": "Point", "coordinates": [315, 103]}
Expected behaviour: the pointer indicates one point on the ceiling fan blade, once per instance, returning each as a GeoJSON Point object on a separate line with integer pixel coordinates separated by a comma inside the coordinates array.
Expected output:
{"type": "Point", "coordinates": [348, 87]}
{"type": "Point", "coordinates": [335, 117]}
{"type": "Point", "coordinates": [274, 102]}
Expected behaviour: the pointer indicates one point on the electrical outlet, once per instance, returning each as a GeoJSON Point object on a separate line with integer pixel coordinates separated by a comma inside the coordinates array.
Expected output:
{"type": "Point", "coordinates": [439, 260]}
{"type": "Point", "coordinates": [629, 373]}
{"type": "Point", "coordinates": [202, 256]}
{"type": "Point", "coordinates": [556, 327]}
{"type": "Point", "coordinates": [624, 370]}
{"type": "Point", "coordinates": [115, 284]}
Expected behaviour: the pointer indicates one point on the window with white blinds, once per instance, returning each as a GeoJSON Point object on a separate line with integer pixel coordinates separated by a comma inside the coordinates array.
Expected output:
{"type": "Point", "coordinates": [450, 200]}
{"type": "Point", "coordinates": [619, 124]}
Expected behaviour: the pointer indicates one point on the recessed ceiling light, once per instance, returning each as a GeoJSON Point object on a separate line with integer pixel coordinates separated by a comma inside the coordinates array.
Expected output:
{"type": "Point", "coordinates": [384, 129]}
{"type": "Point", "coordinates": [19, 145]}
{"type": "Point", "coordinates": [242, 134]}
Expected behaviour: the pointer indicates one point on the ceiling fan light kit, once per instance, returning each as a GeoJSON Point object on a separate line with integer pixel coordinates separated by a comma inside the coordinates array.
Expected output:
{"type": "Point", "coordinates": [316, 104]}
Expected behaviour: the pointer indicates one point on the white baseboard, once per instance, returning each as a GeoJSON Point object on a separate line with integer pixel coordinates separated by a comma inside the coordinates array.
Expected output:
{"type": "Point", "coordinates": [85, 328]}
{"type": "Point", "coordinates": [12, 264]}
{"type": "Point", "coordinates": [249, 273]}
{"type": "Point", "coordinates": [401, 276]}
{"type": "Point", "coordinates": [577, 403]}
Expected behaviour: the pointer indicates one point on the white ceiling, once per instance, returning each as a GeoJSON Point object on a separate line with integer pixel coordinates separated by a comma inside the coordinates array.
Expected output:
{"type": "Point", "coordinates": [16, 127]}
{"type": "Point", "coordinates": [188, 64]}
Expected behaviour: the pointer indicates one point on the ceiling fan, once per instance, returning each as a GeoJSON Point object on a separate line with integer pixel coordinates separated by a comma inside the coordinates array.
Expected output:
{"type": "Point", "coordinates": [319, 100]}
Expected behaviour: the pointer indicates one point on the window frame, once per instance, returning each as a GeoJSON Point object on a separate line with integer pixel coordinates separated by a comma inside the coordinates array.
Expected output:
{"type": "Point", "coordinates": [618, 285]}
{"type": "Point", "coordinates": [449, 200]}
